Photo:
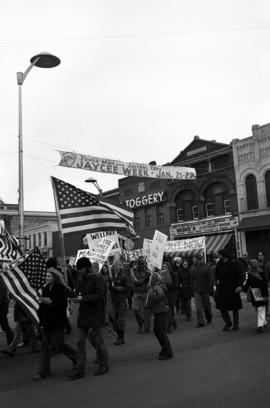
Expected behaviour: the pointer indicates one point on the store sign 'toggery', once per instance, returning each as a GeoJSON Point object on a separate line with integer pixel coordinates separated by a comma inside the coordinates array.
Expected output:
{"type": "Point", "coordinates": [149, 199]}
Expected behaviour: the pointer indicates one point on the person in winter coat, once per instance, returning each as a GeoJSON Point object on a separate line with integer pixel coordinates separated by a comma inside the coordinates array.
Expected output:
{"type": "Point", "coordinates": [229, 280]}
{"type": "Point", "coordinates": [52, 317]}
{"type": "Point", "coordinates": [257, 283]}
{"type": "Point", "coordinates": [202, 284]}
{"type": "Point", "coordinates": [140, 277]}
{"type": "Point", "coordinates": [158, 303]}
{"type": "Point", "coordinates": [91, 292]}
{"type": "Point", "coordinates": [119, 288]}
{"type": "Point", "coordinates": [24, 326]}
{"type": "Point", "coordinates": [171, 279]}
{"type": "Point", "coordinates": [176, 266]}
{"type": "Point", "coordinates": [4, 305]}
{"type": "Point", "coordinates": [185, 286]}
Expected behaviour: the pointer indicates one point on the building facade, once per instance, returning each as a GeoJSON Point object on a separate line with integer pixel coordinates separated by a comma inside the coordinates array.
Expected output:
{"type": "Point", "coordinates": [189, 208]}
{"type": "Point", "coordinates": [252, 167]}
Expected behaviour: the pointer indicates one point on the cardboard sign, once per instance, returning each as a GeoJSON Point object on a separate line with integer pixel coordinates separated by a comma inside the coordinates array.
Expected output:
{"type": "Point", "coordinates": [102, 251]}
{"type": "Point", "coordinates": [157, 249]}
{"type": "Point", "coordinates": [94, 238]}
{"type": "Point", "coordinates": [182, 245]}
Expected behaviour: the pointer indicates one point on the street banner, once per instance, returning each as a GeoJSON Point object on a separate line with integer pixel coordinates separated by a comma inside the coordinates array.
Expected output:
{"type": "Point", "coordinates": [183, 245]}
{"type": "Point", "coordinates": [94, 238]}
{"type": "Point", "coordinates": [157, 249]}
{"type": "Point", "coordinates": [103, 165]}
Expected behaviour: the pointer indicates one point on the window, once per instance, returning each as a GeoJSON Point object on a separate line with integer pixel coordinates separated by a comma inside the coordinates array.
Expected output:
{"type": "Point", "coordinates": [227, 206]}
{"type": "Point", "coordinates": [195, 212]}
{"type": "Point", "coordinates": [215, 196]}
{"type": "Point", "coordinates": [267, 187]}
{"type": "Point", "coordinates": [148, 217]}
{"type": "Point", "coordinates": [137, 223]}
{"type": "Point", "coordinates": [45, 239]}
{"type": "Point", "coordinates": [251, 192]}
{"type": "Point", "coordinates": [141, 187]}
{"type": "Point", "coordinates": [209, 210]}
{"type": "Point", "coordinates": [39, 239]}
{"type": "Point", "coordinates": [185, 201]}
{"type": "Point", "coordinates": [34, 241]}
{"type": "Point", "coordinates": [179, 212]}
{"type": "Point", "coordinates": [160, 215]}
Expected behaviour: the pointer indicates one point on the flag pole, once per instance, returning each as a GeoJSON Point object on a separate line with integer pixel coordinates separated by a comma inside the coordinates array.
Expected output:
{"type": "Point", "coordinates": [62, 245]}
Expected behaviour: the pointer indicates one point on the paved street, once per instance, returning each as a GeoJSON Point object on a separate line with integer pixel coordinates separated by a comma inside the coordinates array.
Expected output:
{"type": "Point", "coordinates": [210, 368]}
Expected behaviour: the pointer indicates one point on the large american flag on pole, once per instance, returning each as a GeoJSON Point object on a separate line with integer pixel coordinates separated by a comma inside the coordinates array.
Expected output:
{"type": "Point", "coordinates": [81, 211]}
{"type": "Point", "coordinates": [23, 278]}
{"type": "Point", "coordinates": [9, 247]}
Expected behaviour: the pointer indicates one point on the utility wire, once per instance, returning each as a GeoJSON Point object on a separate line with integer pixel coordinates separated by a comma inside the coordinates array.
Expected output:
{"type": "Point", "coordinates": [138, 35]}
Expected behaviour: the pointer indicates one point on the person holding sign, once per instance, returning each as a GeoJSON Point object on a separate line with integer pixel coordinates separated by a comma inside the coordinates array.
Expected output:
{"type": "Point", "coordinates": [158, 302]}
{"type": "Point", "coordinates": [119, 288]}
{"type": "Point", "coordinates": [257, 283]}
{"type": "Point", "coordinates": [91, 318]}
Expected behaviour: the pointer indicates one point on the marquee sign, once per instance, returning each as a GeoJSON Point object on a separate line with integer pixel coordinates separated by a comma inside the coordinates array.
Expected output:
{"type": "Point", "coordinates": [206, 226]}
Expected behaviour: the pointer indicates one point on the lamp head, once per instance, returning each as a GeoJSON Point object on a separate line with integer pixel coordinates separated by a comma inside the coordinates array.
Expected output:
{"type": "Point", "coordinates": [45, 60]}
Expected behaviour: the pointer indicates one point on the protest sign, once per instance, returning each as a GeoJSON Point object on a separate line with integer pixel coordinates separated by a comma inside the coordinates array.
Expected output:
{"type": "Point", "coordinates": [183, 245]}
{"type": "Point", "coordinates": [102, 251]}
{"type": "Point", "coordinates": [99, 164]}
{"type": "Point", "coordinates": [83, 253]}
{"type": "Point", "coordinates": [95, 237]}
{"type": "Point", "coordinates": [157, 249]}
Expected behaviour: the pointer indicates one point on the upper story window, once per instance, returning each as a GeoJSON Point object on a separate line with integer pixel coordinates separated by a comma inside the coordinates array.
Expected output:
{"type": "Point", "coordinates": [160, 215]}
{"type": "Point", "coordinates": [141, 187]}
{"type": "Point", "coordinates": [227, 206]}
{"type": "Point", "coordinates": [251, 192]}
{"type": "Point", "coordinates": [267, 187]}
{"type": "Point", "coordinates": [179, 213]}
{"type": "Point", "coordinates": [39, 239]}
{"type": "Point", "coordinates": [185, 200]}
{"type": "Point", "coordinates": [209, 207]}
{"type": "Point", "coordinates": [195, 212]}
{"type": "Point", "coordinates": [45, 239]}
{"type": "Point", "coordinates": [215, 195]}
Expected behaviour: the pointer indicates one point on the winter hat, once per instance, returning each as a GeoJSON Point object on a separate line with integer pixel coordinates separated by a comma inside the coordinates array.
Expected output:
{"type": "Point", "coordinates": [155, 278]}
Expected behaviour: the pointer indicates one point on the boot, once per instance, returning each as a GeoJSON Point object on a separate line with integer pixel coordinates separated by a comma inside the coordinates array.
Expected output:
{"type": "Point", "coordinates": [119, 341]}
{"type": "Point", "coordinates": [102, 369]}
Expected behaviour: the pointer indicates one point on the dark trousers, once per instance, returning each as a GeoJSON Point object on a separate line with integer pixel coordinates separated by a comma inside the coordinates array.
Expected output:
{"type": "Point", "coordinates": [55, 337]}
{"type": "Point", "coordinates": [227, 318]}
{"type": "Point", "coordinates": [203, 306]}
{"type": "Point", "coordinates": [5, 325]}
{"type": "Point", "coordinates": [118, 317]}
{"type": "Point", "coordinates": [160, 331]}
{"type": "Point", "coordinates": [186, 302]}
{"type": "Point", "coordinates": [95, 336]}
{"type": "Point", "coordinates": [171, 319]}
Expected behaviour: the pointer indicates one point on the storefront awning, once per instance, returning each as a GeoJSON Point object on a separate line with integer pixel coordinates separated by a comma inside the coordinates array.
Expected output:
{"type": "Point", "coordinates": [254, 223]}
{"type": "Point", "coordinates": [216, 242]}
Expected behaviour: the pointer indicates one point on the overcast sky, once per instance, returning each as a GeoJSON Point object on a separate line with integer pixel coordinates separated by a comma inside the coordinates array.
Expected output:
{"type": "Point", "coordinates": [138, 79]}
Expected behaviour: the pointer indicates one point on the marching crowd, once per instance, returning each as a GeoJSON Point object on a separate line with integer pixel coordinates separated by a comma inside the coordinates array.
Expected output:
{"type": "Point", "coordinates": [104, 296]}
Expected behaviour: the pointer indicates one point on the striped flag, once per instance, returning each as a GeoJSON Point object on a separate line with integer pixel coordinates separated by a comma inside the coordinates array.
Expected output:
{"type": "Point", "coordinates": [23, 278]}
{"type": "Point", "coordinates": [9, 247]}
{"type": "Point", "coordinates": [81, 211]}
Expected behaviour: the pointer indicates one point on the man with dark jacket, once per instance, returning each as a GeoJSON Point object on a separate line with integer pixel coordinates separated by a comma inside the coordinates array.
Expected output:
{"type": "Point", "coordinates": [202, 284]}
{"type": "Point", "coordinates": [92, 298]}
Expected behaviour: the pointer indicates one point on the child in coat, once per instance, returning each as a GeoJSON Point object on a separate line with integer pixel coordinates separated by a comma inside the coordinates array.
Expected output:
{"type": "Point", "coordinates": [158, 302]}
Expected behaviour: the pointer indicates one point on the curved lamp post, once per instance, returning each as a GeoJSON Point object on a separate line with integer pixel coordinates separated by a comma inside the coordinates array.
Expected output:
{"type": "Point", "coordinates": [94, 181]}
{"type": "Point", "coordinates": [42, 60]}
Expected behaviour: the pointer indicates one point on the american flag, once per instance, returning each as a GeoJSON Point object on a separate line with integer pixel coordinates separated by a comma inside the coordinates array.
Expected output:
{"type": "Point", "coordinates": [23, 278]}
{"type": "Point", "coordinates": [9, 247]}
{"type": "Point", "coordinates": [79, 210]}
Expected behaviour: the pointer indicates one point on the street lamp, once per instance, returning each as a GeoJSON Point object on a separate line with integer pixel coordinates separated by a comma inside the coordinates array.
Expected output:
{"type": "Point", "coordinates": [42, 60]}
{"type": "Point", "coordinates": [94, 181]}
